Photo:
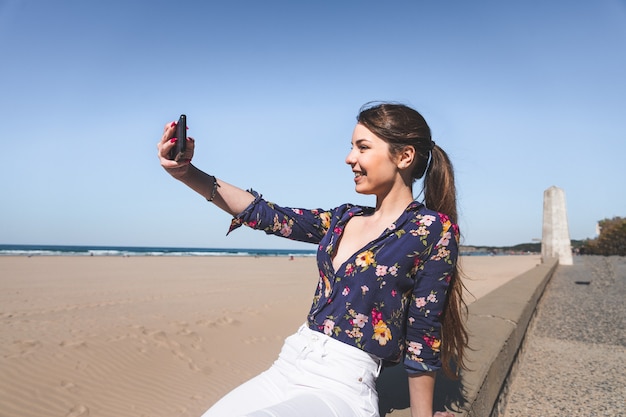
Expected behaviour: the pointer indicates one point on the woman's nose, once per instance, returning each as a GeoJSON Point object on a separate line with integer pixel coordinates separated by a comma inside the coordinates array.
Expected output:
{"type": "Point", "coordinates": [350, 158]}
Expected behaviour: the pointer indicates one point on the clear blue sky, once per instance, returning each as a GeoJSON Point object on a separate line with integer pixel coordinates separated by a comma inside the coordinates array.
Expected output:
{"type": "Point", "coordinates": [522, 95]}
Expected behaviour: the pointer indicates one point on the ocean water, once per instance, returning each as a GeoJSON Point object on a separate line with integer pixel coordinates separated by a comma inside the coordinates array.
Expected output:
{"type": "Point", "coordinates": [67, 250]}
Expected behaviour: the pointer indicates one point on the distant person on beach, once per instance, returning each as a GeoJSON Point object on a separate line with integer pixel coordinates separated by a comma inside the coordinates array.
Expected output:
{"type": "Point", "coordinates": [389, 288]}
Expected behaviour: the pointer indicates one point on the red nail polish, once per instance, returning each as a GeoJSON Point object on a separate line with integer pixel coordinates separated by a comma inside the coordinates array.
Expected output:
{"type": "Point", "coordinates": [173, 140]}
{"type": "Point", "coordinates": [173, 124]}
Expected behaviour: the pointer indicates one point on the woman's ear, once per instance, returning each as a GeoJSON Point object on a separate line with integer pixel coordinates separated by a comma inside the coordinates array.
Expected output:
{"type": "Point", "coordinates": [406, 157]}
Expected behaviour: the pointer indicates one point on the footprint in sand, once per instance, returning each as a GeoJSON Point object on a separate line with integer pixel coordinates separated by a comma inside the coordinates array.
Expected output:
{"type": "Point", "coordinates": [78, 411]}
{"type": "Point", "coordinates": [70, 386]}
{"type": "Point", "coordinates": [76, 344]}
{"type": "Point", "coordinates": [254, 340]}
{"type": "Point", "coordinates": [191, 334]}
{"type": "Point", "coordinates": [161, 338]}
{"type": "Point", "coordinates": [193, 366]}
{"type": "Point", "coordinates": [222, 321]}
{"type": "Point", "coordinates": [196, 339]}
{"type": "Point", "coordinates": [25, 347]}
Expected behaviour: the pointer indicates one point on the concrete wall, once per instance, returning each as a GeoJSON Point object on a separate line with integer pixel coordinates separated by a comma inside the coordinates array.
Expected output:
{"type": "Point", "coordinates": [497, 324]}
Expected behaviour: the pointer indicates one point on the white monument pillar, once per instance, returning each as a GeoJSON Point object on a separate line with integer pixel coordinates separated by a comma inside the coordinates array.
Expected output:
{"type": "Point", "coordinates": [555, 241]}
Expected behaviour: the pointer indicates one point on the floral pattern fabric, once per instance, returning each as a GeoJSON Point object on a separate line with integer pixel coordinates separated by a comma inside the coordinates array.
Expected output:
{"type": "Point", "coordinates": [386, 299]}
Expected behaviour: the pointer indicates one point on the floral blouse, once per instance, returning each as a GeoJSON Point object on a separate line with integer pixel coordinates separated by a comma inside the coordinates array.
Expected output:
{"type": "Point", "coordinates": [388, 298]}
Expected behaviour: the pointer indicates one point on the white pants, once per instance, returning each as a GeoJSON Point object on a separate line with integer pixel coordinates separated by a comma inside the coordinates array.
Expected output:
{"type": "Point", "coordinates": [314, 376]}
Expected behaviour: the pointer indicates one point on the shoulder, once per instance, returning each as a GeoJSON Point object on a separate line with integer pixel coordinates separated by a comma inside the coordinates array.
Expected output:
{"type": "Point", "coordinates": [437, 224]}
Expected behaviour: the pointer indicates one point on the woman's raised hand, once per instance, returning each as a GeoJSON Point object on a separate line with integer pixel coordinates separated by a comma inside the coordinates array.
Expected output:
{"type": "Point", "coordinates": [166, 144]}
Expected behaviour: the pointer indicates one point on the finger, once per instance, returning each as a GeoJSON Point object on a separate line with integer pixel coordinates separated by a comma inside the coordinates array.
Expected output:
{"type": "Point", "coordinates": [168, 132]}
{"type": "Point", "coordinates": [164, 149]}
{"type": "Point", "coordinates": [166, 144]}
{"type": "Point", "coordinates": [165, 153]}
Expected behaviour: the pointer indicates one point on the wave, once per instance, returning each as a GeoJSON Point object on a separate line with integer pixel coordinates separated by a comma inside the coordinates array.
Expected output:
{"type": "Point", "coordinates": [65, 250]}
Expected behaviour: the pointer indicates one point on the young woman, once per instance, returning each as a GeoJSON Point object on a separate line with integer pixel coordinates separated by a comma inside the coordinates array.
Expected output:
{"type": "Point", "coordinates": [389, 289]}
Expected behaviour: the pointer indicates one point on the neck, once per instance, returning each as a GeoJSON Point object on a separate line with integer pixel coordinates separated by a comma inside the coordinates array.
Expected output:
{"type": "Point", "coordinates": [393, 203]}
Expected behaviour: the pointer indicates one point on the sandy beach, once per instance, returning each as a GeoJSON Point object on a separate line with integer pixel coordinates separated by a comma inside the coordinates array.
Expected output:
{"type": "Point", "coordinates": [157, 336]}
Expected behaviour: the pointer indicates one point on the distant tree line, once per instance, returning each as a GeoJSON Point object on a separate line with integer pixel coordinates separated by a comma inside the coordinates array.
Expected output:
{"type": "Point", "coordinates": [519, 249]}
{"type": "Point", "coordinates": [610, 241]}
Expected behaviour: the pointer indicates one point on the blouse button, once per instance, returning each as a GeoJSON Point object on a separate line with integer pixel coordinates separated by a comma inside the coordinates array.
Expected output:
{"type": "Point", "coordinates": [360, 379]}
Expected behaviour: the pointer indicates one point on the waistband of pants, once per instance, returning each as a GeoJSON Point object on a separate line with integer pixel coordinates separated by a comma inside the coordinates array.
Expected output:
{"type": "Point", "coordinates": [316, 338]}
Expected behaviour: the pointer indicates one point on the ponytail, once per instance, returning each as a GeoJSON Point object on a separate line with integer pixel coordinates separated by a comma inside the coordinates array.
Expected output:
{"type": "Point", "coordinates": [439, 188]}
{"type": "Point", "coordinates": [440, 195]}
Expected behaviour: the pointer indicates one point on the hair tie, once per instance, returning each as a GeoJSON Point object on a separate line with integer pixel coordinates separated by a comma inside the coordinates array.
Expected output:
{"type": "Point", "coordinates": [429, 162]}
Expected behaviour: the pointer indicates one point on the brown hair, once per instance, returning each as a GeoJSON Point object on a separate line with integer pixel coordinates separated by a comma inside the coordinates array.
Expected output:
{"type": "Point", "coordinates": [401, 126]}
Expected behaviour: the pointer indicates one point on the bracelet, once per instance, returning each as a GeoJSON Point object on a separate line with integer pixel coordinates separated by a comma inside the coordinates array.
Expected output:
{"type": "Point", "coordinates": [215, 187]}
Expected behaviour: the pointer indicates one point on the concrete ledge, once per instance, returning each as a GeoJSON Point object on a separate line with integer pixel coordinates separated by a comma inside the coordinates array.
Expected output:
{"type": "Point", "coordinates": [497, 324]}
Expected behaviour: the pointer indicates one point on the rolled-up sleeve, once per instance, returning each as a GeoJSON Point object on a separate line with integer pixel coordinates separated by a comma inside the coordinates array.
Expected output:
{"type": "Point", "coordinates": [434, 271]}
{"type": "Point", "coordinates": [303, 225]}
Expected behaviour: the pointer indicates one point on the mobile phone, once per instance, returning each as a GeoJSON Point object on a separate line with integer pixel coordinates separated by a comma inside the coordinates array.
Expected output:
{"type": "Point", "coordinates": [178, 150]}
